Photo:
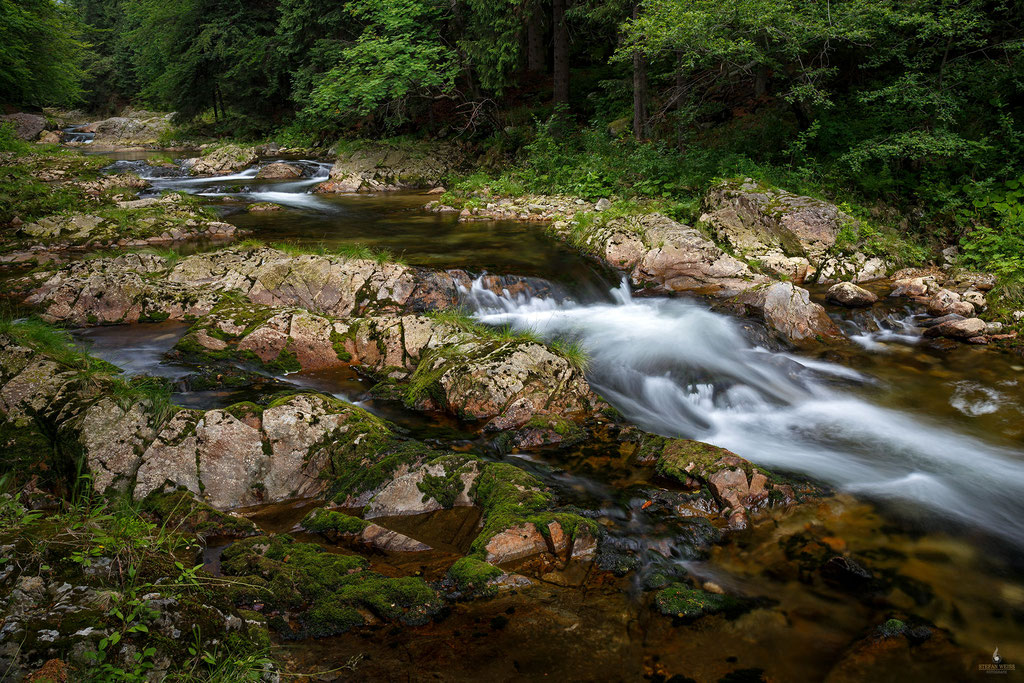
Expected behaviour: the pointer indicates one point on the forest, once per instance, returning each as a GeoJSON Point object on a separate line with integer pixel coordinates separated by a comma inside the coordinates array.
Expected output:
{"type": "Point", "coordinates": [461, 340]}
{"type": "Point", "coordinates": [885, 104]}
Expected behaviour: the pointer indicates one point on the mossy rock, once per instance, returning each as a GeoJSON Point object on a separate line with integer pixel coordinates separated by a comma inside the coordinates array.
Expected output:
{"type": "Point", "coordinates": [470, 577]}
{"type": "Point", "coordinates": [181, 511]}
{"type": "Point", "coordinates": [329, 522]}
{"type": "Point", "coordinates": [683, 602]}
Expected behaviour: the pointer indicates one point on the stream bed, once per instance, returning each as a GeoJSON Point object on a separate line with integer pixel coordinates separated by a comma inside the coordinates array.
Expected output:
{"type": "Point", "coordinates": [924, 447]}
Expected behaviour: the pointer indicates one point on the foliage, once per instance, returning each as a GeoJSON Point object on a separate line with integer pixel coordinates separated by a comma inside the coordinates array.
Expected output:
{"type": "Point", "coordinates": [400, 55]}
{"type": "Point", "coordinates": [41, 54]}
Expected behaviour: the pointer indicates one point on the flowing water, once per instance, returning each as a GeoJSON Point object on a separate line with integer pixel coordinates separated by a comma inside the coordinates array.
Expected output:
{"type": "Point", "coordinates": [923, 443]}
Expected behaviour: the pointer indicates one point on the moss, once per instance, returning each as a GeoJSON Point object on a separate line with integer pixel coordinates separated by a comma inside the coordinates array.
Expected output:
{"type": "Point", "coordinates": [508, 496]}
{"type": "Point", "coordinates": [892, 628]}
{"type": "Point", "coordinates": [445, 488]}
{"type": "Point", "coordinates": [180, 511]}
{"type": "Point", "coordinates": [330, 586]}
{"type": "Point", "coordinates": [471, 576]}
{"type": "Point", "coordinates": [245, 410]}
{"type": "Point", "coordinates": [328, 521]}
{"type": "Point", "coordinates": [677, 454]}
{"type": "Point", "coordinates": [681, 601]}
{"type": "Point", "coordinates": [338, 343]}
{"type": "Point", "coordinates": [330, 619]}
{"type": "Point", "coordinates": [154, 317]}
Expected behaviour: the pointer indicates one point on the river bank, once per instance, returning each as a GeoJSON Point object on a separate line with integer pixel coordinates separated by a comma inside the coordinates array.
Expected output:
{"type": "Point", "coordinates": [501, 474]}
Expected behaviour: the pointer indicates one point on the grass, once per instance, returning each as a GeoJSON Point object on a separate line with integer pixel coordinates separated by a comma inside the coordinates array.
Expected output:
{"type": "Point", "coordinates": [352, 252]}
{"type": "Point", "coordinates": [573, 352]}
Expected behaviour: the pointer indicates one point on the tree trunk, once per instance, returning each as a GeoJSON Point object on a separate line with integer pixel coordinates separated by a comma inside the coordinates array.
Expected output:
{"type": "Point", "coordinates": [641, 129]}
{"type": "Point", "coordinates": [536, 58]}
{"type": "Point", "coordinates": [561, 52]}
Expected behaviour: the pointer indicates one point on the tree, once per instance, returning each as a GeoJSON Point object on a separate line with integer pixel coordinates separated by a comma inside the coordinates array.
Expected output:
{"type": "Point", "coordinates": [40, 53]}
{"type": "Point", "coordinates": [399, 57]}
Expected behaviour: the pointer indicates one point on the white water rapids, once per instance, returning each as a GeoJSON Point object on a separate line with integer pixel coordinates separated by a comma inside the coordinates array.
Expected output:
{"type": "Point", "coordinates": [678, 369]}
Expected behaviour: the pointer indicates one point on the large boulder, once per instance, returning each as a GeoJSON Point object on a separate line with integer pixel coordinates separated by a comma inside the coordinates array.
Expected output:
{"type": "Point", "coordinates": [788, 234]}
{"type": "Point", "coordinates": [131, 129]}
{"type": "Point", "coordinates": [961, 329]}
{"type": "Point", "coordinates": [26, 126]}
{"type": "Point", "coordinates": [431, 364]}
{"type": "Point", "coordinates": [383, 167]}
{"type": "Point", "coordinates": [664, 255]}
{"type": "Point", "coordinates": [222, 160]}
{"type": "Point", "coordinates": [788, 310]}
{"type": "Point", "coordinates": [280, 170]}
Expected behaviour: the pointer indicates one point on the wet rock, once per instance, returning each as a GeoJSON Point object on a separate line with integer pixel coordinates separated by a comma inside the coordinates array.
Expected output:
{"type": "Point", "coordinates": [260, 207]}
{"type": "Point", "coordinates": [846, 574]}
{"type": "Point", "coordinates": [442, 484]}
{"type": "Point", "coordinates": [790, 312]}
{"type": "Point", "coordinates": [229, 460]}
{"type": "Point", "coordinates": [26, 126]}
{"type": "Point", "coordinates": [279, 169]}
{"type": "Point", "coordinates": [222, 160]}
{"type": "Point", "coordinates": [738, 485]}
{"type": "Point", "coordinates": [515, 543]}
{"type": "Point", "coordinates": [788, 234]}
{"type": "Point", "coordinates": [946, 301]}
{"type": "Point", "coordinates": [664, 255]}
{"type": "Point", "coordinates": [958, 329]}
{"type": "Point", "coordinates": [975, 298]}
{"type": "Point", "coordinates": [390, 541]}
{"type": "Point", "coordinates": [849, 294]}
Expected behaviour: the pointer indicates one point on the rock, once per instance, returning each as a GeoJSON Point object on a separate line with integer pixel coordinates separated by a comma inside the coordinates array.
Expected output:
{"type": "Point", "coordinates": [790, 312]}
{"type": "Point", "coordinates": [222, 160]}
{"type": "Point", "coordinates": [390, 541]}
{"type": "Point", "coordinates": [280, 169]}
{"type": "Point", "coordinates": [384, 167]}
{"type": "Point", "coordinates": [975, 298]}
{"type": "Point", "coordinates": [263, 206]}
{"type": "Point", "coordinates": [602, 205]}
{"type": "Point", "coordinates": [849, 294]}
{"type": "Point", "coordinates": [945, 302]}
{"type": "Point", "coordinates": [408, 494]}
{"type": "Point", "coordinates": [787, 233]}
{"type": "Point", "coordinates": [738, 486]}
{"type": "Point", "coordinates": [51, 137]}
{"type": "Point", "coordinates": [958, 329]}
{"type": "Point", "coordinates": [912, 287]}
{"type": "Point", "coordinates": [950, 254]}
{"type": "Point", "coordinates": [134, 127]}
{"type": "Point", "coordinates": [856, 268]}
{"type": "Point", "coordinates": [515, 543]}
{"type": "Point", "coordinates": [26, 126]}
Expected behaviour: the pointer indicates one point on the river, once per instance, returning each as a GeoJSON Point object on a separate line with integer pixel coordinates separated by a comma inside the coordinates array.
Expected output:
{"type": "Point", "coordinates": [924, 447]}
